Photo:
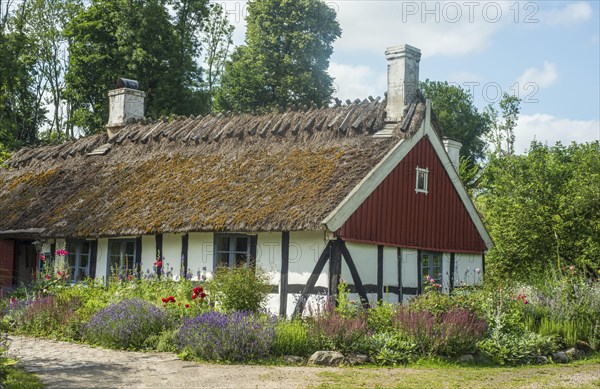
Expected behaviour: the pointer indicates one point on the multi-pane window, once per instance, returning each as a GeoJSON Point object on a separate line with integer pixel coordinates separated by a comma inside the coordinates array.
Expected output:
{"type": "Point", "coordinates": [233, 250]}
{"type": "Point", "coordinates": [431, 265]}
{"type": "Point", "coordinates": [422, 178]}
{"type": "Point", "coordinates": [79, 259]}
{"type": "Point", "coordinates": [121, 256]}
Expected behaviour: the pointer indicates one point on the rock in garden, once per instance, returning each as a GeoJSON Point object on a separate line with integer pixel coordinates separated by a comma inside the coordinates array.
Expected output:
{"type": "Point", "coordinates": [560, 357]}
{"type": "Point", "coordinates": [357, 359]}
{"type": "Point", "coordinates": [573, 353]}
{"type": "Point", "coordinates": [584, 346]}
{"type": "Point", "coordinates": [541, 360]}
{"type": "Point", "coordinates": [326, 358]}
{"type": "Point", "coordinates": [293, 359]}
{"type": "Point", "coordinates": [466, 358]}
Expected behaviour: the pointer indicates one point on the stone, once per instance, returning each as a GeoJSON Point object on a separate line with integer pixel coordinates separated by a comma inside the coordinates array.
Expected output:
{"type": "Point", "coordinates": [560, 357]}
{"type": "Point", "coordinates": [466, 358]}
{"type": "Point", "coordinates": [293, 359]}
{"type": "Point", "coordinates": [584, 346]}
{"type": "Point", "coordinates": [541, 360]}
{"type": "Point", "coordinates": [573, 353]}
{"type": "Point", "coordinates": [326, 358]}
{"type": "Point", "coordinates": [357, 359]}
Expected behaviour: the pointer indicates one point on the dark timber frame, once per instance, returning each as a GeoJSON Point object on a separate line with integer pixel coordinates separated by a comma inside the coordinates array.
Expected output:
{"type": "Point", "coordinates": [285, 265]}
{"type": "Point", "coordinates": [451, 280]}
{"type": "Point", "coordinates": [379, 274]}
{"type": "Point", "coordinates": [185, 238]}
{"type": "Point", "coordinates": [358, 285]}
{"type": "Point", "coordinates": [312, 280]}
{"type": "Point", "coordinates": [138, 256]}
{"type": "Point", "coordinates": [400, 291]}
{"type": "Point", "coordinates": [159, 246]}
{"type": "Point", "coordinates": [335, 268]}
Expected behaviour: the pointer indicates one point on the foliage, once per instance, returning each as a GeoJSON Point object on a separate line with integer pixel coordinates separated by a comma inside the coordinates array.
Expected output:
{"type": "Point", "coordinates": [236, 336]}
{"type": "Point", "coordinates": [138, 40]}
{"type": "Point", "coordinates": [126, 325]}
{"type": "Point", "coordinates": [543, 212]}
{"type": "Point", "coordinates": [242, 288]}
{"type": "Point", "coordinates": [380, 317]}
{"type": "Point", "coordinates": [285, 58]}
{"type": "Point", "coordinates": [392, 348]}
{"type": "Point", "coordinates": [458, 117]}
{"type": "Point", "coordinates": [504, 130]}
{"type": "Point", "coordinates": [336, 332]}
{"type": "Point", "coordinates": [515, 348]}
{"type": "Point", "coordinates": [293, 338]}
{"type": "Point", "coordinates": [48, 316]}
{"type": "Point", "coordinates": [14, 376]}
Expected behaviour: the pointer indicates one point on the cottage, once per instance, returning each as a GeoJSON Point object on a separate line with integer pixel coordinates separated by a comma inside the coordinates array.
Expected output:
{"type": "Point", "coordinates": [366, 190]}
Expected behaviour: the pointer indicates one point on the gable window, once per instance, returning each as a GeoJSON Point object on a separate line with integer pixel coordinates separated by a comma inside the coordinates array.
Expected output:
{"type": "Point", "coordinates": [422, 180]}
{"type": "Point", "coordinates": [79, 257]}
{"type": "Point", "coordinates": [233, 250]}
{"type": "Point", "coordinates": [121, 256]}
{"type": "Point", "coordinates": [431, 265]}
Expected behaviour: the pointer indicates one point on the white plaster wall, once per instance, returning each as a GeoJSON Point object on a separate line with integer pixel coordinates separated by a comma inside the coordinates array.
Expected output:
{"type": "Point", "coordinates": [365, 260]}
{"type": "Point", "coordinates": [390, 273]}
{"type": "Point", "coordinates": [200, 253]}
{"type": "Point", "coordinates": [410, 271]}
{"type": "Point", "coordinates": [445, 272]}
{"type": "Point", "coordinates": [172, 254]}
{"type": "Point", "coordinates": [268, 258]}
{"type": "Point", "coordinates": [467, 269]}
{"type": "Point", "coordinates": [102, 257]}
{"type": "Point", "coordinates": [305, 249]}
{"type": "Point", "coordinates": [148, 254]}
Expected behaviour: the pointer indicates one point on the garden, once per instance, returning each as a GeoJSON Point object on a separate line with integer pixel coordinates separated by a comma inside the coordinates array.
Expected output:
{"type": "Point", "coordinates": [222, 319]}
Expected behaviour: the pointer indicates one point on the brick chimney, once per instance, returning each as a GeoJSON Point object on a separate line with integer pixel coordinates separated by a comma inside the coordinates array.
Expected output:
{"type": "Point", "coordinates": [403, 79]}
{"type": "Point", "coordinates": [125, 105]}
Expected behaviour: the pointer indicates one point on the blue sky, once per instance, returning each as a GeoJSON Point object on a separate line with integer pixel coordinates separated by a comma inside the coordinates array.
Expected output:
{"type": "Point", "coordinates": [547, 52]}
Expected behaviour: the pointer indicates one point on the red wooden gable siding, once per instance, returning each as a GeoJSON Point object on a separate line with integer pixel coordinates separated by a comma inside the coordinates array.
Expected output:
{"type": "Point", "coordinates": [394, 214]}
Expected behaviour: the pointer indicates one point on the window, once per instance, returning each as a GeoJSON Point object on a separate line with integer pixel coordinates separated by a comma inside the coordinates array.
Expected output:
{"type": "Point", "coordinates": [431, 265]}
{"type": "Point", "coordinates": [79, 259]}
{"type": "Point", "coordinates": [233, 250]}
{"type": "Point", "coordinates": [422, 178]}
{"type": "Point", "coordinates": [121, 256]}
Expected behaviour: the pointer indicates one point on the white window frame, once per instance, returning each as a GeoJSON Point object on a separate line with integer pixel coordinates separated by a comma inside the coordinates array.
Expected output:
{"type": "Point", "coordinates": [425, 172]}
{"type": "Point", "coordinates": [231, 251]}
{"type": "Point", "coordinates": [76, 270]}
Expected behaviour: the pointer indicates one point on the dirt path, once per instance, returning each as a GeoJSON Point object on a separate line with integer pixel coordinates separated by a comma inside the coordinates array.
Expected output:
{"type": "Point", "coordinates": [67, 365]}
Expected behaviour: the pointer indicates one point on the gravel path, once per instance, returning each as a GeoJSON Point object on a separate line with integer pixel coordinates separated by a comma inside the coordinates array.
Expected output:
{"type": "Point", "coordinates": [68, 365]}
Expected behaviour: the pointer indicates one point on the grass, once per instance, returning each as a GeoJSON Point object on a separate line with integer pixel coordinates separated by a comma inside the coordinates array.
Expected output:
{"type": "Point", "coordinates": [580, 374]}
{"type": "Point", "coordinates": [12, 376]}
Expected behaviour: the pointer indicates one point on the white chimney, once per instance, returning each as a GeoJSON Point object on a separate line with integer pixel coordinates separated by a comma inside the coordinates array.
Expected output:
{"type": "Point", "coordinates": [403, 79]}
{"type": "Point", "coordinates": [452, 147]}
{"type": "Point", "coordinates": [125, 105]}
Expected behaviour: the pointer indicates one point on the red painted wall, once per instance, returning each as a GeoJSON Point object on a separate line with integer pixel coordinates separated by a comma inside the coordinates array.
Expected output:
{"type": "Point", "coordinates": [7, 256]}
{"type": "Point", "coordinates": [395, 215]}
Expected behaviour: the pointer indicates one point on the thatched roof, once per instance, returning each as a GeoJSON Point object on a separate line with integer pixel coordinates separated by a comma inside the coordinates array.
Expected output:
{"type": "Point", "coordinates": [279, 171]}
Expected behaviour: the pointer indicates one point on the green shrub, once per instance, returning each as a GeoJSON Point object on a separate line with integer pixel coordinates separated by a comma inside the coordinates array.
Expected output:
{"type": "Point", "coordinates": [380, 317]}
{"type": "Point", "coordinates": [391, 348]}
{"type": "Point", "coordinates": [292, 338]}
{"type": "Point", "coordinates": [516, 349]}
{"type": "Point", "coordinates": [240, 288]}
{"type": "Point", "coordinates": [49, 316]}
{"type": "Point", "coordinates": [336, 332]}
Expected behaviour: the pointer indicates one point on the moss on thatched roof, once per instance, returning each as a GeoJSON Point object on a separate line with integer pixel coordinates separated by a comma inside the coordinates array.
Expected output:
{"type": "Point", "coordinates": [280, 171]}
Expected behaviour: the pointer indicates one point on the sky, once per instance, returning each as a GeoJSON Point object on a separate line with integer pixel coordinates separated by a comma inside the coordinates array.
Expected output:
{"type": "Point", "coordinates": [545, 52]}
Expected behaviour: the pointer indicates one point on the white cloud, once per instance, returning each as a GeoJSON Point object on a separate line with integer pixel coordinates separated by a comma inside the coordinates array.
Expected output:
{"type": "Point", "coordinates": [571, 14]}
{"type": "Point", "coordinates": [438, 28]}
{"type": "Point", "coordinates": [550, 129]}
{"type": "Point", "coordinates": [356, 81]}
{"type": "Point", "coordinates": [534, 79]}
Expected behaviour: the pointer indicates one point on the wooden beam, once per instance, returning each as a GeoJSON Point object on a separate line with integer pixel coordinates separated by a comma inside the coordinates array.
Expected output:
{"type": "Point", "coordinates": [94, 258]}
{"type": "Point", "coordinates": [360, 287]}
{"type": "Point", "coordinates": [419, 275]}
{"type": "Point", "coordinates": [379, 273]}
{"type": "Point", "coordinates": [138, 257]}
{"type": "Point", "coordinates": [312, 280]}
{"type": "Point", "coordinates": [159, 252]}
{"type": "Point", "coordinates": [285, 264]}
{"type": "Point", "coordinates": [335, 269]}
{"type": "Point", "coordinates": [400, 292]}
{"type": "Point", "coordinates": [185, 239]}
{"type": "Point", "coordinates": [451, 280]}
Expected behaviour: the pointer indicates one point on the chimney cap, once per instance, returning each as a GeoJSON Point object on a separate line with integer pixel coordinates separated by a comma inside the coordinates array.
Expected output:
{"type": "Point", "coordinates": [402, 50]}
{"type": "Point", "coordinates": [127, 83]}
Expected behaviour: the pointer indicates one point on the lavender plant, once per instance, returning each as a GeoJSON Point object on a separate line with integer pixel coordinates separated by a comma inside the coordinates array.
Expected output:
{"type": "Point", "coordinates": [237, 336]}
{"type": "Point", "coordinates": [126, 324]}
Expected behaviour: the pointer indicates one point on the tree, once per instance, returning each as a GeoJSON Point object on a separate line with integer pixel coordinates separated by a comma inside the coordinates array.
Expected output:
{"type": "Point", "coordinates": [543, 210]}
{"type": "Point", "coordinates": [139, 40]}
{"type": "Point", "coordinates": [459, 117]}
{"type": "Point", "coordinates": [216, 41]}
{"type": "Point", "coordinates": [285, 58]}
{"type": "Point", "coordinates": [504, 130]}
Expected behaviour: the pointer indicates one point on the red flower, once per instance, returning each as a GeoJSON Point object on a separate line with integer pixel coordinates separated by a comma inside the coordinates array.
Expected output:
{"type": "Point", "coordinates": [187, 305]}
{"type": "Point", "coordinates": [198, 290]}
{"type": "Point", "coordinates": [202, 295]}
{"type": "Point", "coordinates": [194, 296]}
{"type": "Point", "coordinates": [158, 263]}
{"type": "Point", "coordinates": [171, 299]}
{"type": "Point", "coordinates": [47, 277]}
{"type": "Point", "coordinates": [164, 300]}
